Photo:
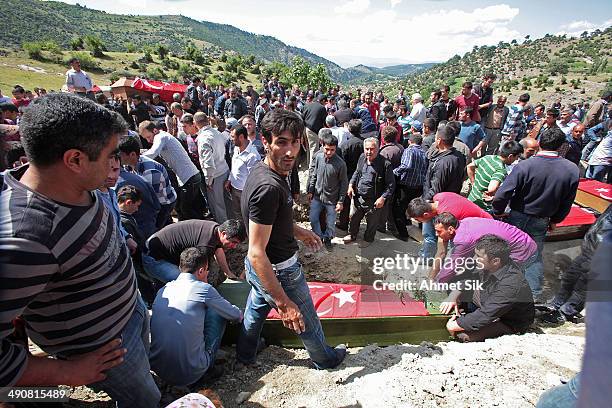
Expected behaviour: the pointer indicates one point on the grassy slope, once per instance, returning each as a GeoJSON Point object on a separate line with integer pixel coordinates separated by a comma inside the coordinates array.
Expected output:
{"type": "Point", "coordinates": [53, 78]}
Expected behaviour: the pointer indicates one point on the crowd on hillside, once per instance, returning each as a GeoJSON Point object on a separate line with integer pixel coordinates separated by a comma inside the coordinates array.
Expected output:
{"type": "Point", "coordinates": [94, 182]}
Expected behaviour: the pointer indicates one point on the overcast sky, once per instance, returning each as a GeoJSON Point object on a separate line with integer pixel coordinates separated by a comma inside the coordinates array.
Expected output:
{"type": "Point", "coordinates": [383, 32]}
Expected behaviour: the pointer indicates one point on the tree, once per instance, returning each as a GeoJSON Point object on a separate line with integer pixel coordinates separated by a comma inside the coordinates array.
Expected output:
{"type": "Point", "coordinates": [162, 51]}
{"type": "Point", "coordinates": [557, 66]}
{"type": "Point", "coordinates": [34, 49]}
{"type": "Point", "coordinates": [194, 54]}
{"type": "Point", "coordinates": [76, 44]}
{"type": "Point", "coordinates": [95, 45]}
{"type": "Point", "coordinates": [584, 34]}
{"type": "Point", "coordinates": [130, 47]}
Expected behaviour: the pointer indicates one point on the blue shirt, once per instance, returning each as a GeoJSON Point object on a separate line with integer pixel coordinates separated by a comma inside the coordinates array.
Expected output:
{"type": "Point", "coordinates": [110, 201]}
{"type": "Point", "coordinates": [178, 352]}
{"type": "Point", "coordinates": [413, 167]}
{"type": "Point", "coordinates": [471, 134]}
{"type": "Point", "coordinates": [146, 216]}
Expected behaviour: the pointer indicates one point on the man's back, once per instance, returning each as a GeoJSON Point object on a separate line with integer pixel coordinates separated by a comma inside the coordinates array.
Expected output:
{"type": "Point", "coordinates": [173, 153]}
{"type": "Point", "coordinates": [542, 186]}
{"type": "Point", "coordinates": [351, 151]}
{"type": "Point", "coordinates": [445, 173]}
{"type": "Point", "coordinates": [50, 250]}
{"type": "Point", "coordinates": [314, 115]}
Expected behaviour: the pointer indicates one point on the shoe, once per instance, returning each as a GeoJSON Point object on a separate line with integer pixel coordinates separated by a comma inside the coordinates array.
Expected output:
{"type": "Point", "coordinates": [348, 239]}
{"type": "Point", "coordinates": [554, 317]}
{"type": "Point", "coordinates": [210, 376]}
{"type": "Point", "coordinates": [341, 351]}
{"type": "Point", "coordinates": [575, 318]}
{"type": "Point", "coordinates": [328, 244]}
{"type": "Point", "coordinates": [365, 244]}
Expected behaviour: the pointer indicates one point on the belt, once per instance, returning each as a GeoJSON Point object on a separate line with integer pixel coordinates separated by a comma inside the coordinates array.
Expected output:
{"type": "Point", "coordinates": [285, 264]}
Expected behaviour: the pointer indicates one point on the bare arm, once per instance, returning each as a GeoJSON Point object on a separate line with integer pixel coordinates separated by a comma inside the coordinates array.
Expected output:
{"type": "Point", "coordinates": [471, 171]}
{"type": "Point", "coordinates": [220, 258]}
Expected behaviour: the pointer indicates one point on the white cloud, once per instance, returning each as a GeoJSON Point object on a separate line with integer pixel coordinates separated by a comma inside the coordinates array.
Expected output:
{"type": "Point", "coordinates": [350, 31]}
{"type": "Point", "coordinates": [575, 28]}
{"type": "Point", "coordinates": [352, 7]}
{"type": "Point", "coordinates": [395, 2]}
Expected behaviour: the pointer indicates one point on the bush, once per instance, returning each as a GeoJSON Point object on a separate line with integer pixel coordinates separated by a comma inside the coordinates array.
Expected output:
{"type": "Point", "coordinates": [156, 73]}
{"type": "Point", "coordinates": [134, 65]}
{"type": "Point", "coordinates": [95, 45]}
{"type": "Point", "coordinates": [130, 47]}
{"type": "Point", "coordinates": [34, 49]}
{"type": "Point", "coordinates": [77, 44]}
{"type": "Point", "coordinates": [87, 61]}
{"type": "Point", "coordinates": [122, 73]}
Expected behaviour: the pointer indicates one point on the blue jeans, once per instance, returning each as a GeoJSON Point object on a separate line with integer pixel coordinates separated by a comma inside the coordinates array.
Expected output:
{"type": "Point", "coordinates": [259, 305]}
{"type": "Point", "coordinates": [430, 240]}
{"type": "Point", "coordinates": [214, 327]}
{"type": "Point", "coordinates": [316, 206]}
{"type": "Point", "coordinates": [130, 383]}
{"type": "Point", "coordinates": [598, 172]}
{"type": "Point", "coordinates": [536, 227]}
{"type": "Point", "coordinates": [562, 396]}
{"type": "Point", "coordinates": [160, 270]}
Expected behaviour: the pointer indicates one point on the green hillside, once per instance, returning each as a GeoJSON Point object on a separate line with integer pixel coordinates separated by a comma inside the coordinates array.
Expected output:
{"type": "Point", "coordinates": [547, 68]}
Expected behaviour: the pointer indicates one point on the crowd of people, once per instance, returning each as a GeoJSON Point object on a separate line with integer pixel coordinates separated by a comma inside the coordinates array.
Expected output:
{"type": "Point", "coordinates": [94, 183]}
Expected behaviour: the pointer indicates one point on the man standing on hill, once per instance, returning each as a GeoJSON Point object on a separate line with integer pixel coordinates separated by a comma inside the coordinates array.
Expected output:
{"type": "Point", "coordinates": [314, 115]}
{"type": "Point", "coordinates": [598, 110]}
{"type": "Point", "coordinates": [272, 265]}
{"type": "Point", "coordinates": [485, 92]}
{"type": "Point", "coordinates": [471, 133]}
{"type": "Point", "coordinates": [515, 125]}
{"type": "Point", "coordinates": [468, 99]}
{"type": "Point", "coordinates": [493, 123]}
{"type": "Point", "coordinates": [236, 106]}
{"type": "Point", "coordinates": [77, 81]}
{"type": "Point", "coordinates": [192, 93]}
{"type": "Point", "coordinates": [372, 106]}
{"type": "Point", "coordinates": [437, 110]}
{"type": "Point", "coordinates": [450, 104]}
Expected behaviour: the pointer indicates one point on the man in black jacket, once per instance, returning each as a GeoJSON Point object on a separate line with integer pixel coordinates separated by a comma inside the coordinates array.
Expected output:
{"type": "Point", "coordinates": [445, 173]}
{"type": "Point", "coordinates": [437, 109]}
{"type": "Point", "coordinates": [446, 170]}
{"type": "Point", "coordinates": [504, 301]}
{"type": "Point", "coordinates": [192, 93]}
{"type": "Point", "coordinates": [350, 151]}
{"type": "Point", "coordinates": [314, 115]}
{"type": "Point", "coordinates": [371, 185]}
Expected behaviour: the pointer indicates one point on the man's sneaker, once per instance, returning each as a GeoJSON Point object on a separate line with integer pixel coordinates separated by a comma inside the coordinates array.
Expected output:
{"type": "Point", "coordinates": [554, 317]}
{"type": "Point", "coordinates": [341, 352]}
{"type": "Point", "coordinates": [328, 244]}
{"type": "Point", "coordinates": [349, 238]}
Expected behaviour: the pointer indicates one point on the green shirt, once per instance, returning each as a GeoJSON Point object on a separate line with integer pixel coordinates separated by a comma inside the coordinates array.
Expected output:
{"type": "Point", "coordinates": [487, 168]}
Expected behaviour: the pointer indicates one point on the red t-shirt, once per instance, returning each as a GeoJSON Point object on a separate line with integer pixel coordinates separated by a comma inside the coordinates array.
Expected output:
{"type": "Point", "coordinates": [398, 139]}
{"type": "Point", "coordinates": [472, 101]}
{"type": "Point", "coordinates": [459, 206]}
{"type": "Point", "coordinates": [373, 108]}
{"type": "Point", "coordinates": [20, 102]}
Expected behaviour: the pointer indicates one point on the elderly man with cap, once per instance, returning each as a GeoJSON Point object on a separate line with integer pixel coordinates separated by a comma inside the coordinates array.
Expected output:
{"type": "Point", "coordinates": [418, 111]}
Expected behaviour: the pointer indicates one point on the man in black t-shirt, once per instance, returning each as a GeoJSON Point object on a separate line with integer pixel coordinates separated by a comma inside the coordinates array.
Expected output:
{"type": "Point", "coordinates": [164, 248]}
{"type": "Point", "coordinates": [272, 266]}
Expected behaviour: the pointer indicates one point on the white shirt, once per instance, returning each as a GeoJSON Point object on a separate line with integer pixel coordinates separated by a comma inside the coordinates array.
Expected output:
{"type": "Point", "coordinates": [418, 112]}
{"type": "Point", "coordinates": [171, 150]}
{"type": "Point", "coordinates": [79, 79]}
{"type": "Point", "coordinates": [211, 150]}
{"type": "Point", "coordinates": [566, 128]}
{"type": "Point", "coordinates": [242, 163]}
{"type": "Point", "coordinates": [342, 134]}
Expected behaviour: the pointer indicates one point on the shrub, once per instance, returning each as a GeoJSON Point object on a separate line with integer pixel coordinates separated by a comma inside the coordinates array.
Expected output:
{"type": "Point", "coordinates": [156, 73]}
{"type": "Point", "coordinates": [34, 49]}
{"type": "Point", "coordinates": [87, 61]}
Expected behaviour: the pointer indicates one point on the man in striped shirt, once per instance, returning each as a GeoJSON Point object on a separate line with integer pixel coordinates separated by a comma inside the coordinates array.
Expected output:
{"type": "Point", "coordinates": [65, 268]}
{"type": "Point", "coordinates": [154, 173]}
{"type": "Point", "coordinates": [487, 173]}
{"type": "Point", "coordinates": [410, 176]}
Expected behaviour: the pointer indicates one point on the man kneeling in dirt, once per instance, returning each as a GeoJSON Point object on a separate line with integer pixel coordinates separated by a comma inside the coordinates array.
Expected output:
{"type": "Point", "coordinates": [166, 245]}
{"type": "Point", "coordinates": [272, 266]}
{"type": "Point", "coordinates": [188, 322]}
{"type": "Point", "coordinates": [504, 304]}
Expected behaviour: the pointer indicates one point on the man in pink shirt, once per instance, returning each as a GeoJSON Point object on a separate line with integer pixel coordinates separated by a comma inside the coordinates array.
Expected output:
{"type": "Point", "coordinates": [372, 106]}
{"type": "Point", "coordinates": [469, 99]}
{"type": "Point", "coordinates": [459, 206]}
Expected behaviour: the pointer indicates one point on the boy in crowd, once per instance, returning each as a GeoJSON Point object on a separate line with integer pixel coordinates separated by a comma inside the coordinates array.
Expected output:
{"type": "Point", "coordinates": [487, 173]}
{"type": "Point", "coordinates": [188, 322]}
{"type": "Point", "coordinates": [327, 187]}
{"type": "Point", "coordinates": [504, 305]}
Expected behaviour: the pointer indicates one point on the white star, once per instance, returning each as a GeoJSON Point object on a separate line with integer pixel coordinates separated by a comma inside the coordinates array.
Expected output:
{"type": "Point", "coordinates": [602, 190]}
{"type": "Point", "coordinates": [344, 296]}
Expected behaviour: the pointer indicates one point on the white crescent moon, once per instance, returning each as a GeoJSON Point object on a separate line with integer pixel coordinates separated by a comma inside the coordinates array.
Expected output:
{"type": "Point", "coordinates": [606, 197]}
{"type": "Point", "coordinates": [323, 313]}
